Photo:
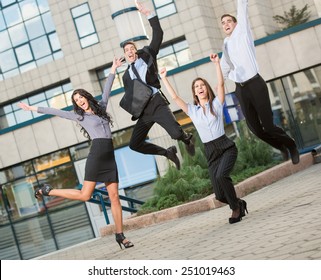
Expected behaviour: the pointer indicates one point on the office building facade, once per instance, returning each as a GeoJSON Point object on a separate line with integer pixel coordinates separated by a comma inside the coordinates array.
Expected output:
{"type": "Point", "coordinates": [48, 48]}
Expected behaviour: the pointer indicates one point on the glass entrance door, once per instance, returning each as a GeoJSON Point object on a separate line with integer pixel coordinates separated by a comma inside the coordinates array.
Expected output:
{"type": "Point", "coordinates": [296, 104]}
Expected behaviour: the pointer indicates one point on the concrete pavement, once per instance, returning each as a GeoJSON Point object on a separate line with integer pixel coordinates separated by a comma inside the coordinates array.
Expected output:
{"type": "Point", "coordinates": [283, 224]}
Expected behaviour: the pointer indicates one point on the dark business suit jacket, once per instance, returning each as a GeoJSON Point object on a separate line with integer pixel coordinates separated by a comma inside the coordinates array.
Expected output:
{"type": "Point", "coordinates": [148, 54]}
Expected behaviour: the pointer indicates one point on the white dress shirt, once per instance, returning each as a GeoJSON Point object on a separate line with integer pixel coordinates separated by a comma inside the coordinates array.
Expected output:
{"type": "Point", "coordinates": [241, 49]}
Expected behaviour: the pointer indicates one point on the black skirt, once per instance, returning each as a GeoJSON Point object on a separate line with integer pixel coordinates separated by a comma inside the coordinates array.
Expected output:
{"type": "Point", "coordinates": [101, 165]}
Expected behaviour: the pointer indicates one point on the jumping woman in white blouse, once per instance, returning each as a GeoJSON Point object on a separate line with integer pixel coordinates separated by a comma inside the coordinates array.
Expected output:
{"type": "Point", "coordinates": [221, 152]}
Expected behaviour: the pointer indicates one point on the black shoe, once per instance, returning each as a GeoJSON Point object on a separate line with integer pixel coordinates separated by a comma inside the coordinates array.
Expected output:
{"type": "Point", "coordinates": [284, 153]}
{"type": "Point", "coordinates": [243, 207]}
{"type": "Point", "coordinates": [295, 155]}
{"type": "Point", "coordinates": [45, 190]}
{"type": "Point", "coordinates": [171, 154]}
{"type": "Point", "coordinates": [120, 237]}
{"type": "Point", "coordinates": [237, 219]}
{"type": "Point", "coordinates": [190, 147]}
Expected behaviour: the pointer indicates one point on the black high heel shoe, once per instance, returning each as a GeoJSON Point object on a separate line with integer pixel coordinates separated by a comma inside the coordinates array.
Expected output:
{"type": "Point", "coordinates": [120, 237]}
{"type": "Point", "coordinates": [45, 190]}
{"type": "Point", "coordinates": [243, 207]}
{"type": "Point", "coordinates": [233, 220]}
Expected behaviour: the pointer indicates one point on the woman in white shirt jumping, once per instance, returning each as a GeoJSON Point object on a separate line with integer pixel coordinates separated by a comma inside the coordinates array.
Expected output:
{"type": "Point", "coordinates": [221, 152]}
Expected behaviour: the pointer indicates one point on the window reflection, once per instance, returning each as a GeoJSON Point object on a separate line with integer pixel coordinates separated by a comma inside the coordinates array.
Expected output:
{"type": "Point", "coordinates": [25, 21]}
{"type": "Point", "coordinates": [23, 54]}
{"type": "Point", "coordinates": [29, 9]}
{"type": "Point", "coordinates": [19, 183]}
{"type": "Point", "coordinates": [174, 54]}
{"type": "Point", "coordinates": [54, 42]}
{"type": "Point", "coordinates": [80, 151]}
{"type": "Point", "coordinates": [12, 15]}
{"type": "Point", "coordinates": [296, 103]}
{"type": "Point", "coordinates": [48, 22]}
{"type": "Point", "coordinates": [2, 24]}
{"type": "Point", "coordinates": [51, 160]}
{"type": "Point", "coordinates": [164, 8]}
{"type": "Point", "coordinates": [8, 60]}
{"type": "Point", "coordinates": [57, 97]}
{"type": "Point", "coordinates": [102, 75]}
{"type": "Point", "coordinates": [43, 6]}
{"type": "Point", "coordinates": [40, 47]}
{"type": "Point", "coordinates": [5, 41]}
{"type": "Point", "coordinates": [85, 26]}
{"type": "Point", "coordinates": [18, 34]}
{"type": "Point", "coordinates": [35, 28]}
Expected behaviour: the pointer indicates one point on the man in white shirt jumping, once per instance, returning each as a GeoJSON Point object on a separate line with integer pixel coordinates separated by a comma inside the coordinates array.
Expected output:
{"type": "Point", "coordinates": [239, 64]}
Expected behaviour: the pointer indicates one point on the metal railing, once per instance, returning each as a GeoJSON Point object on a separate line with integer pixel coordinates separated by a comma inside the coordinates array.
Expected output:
{"type": "Point", "coordinates": [101, 197]}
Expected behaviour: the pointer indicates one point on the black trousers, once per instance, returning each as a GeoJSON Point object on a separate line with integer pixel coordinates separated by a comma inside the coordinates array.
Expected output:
{"type": "Point", "coordinates": [157, 111]}
{"type": "Point", "coordinates": [221, 155]}
{"type": "Point", "coordinates": [256, 107]}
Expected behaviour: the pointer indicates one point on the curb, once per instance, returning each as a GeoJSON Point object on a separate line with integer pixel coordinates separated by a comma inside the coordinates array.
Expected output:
{"type": "Point", "coordinates": [242, 189]}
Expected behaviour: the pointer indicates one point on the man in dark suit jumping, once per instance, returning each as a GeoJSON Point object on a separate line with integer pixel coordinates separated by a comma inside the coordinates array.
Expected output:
{"type": "Point", "coordinates": [144, 61]}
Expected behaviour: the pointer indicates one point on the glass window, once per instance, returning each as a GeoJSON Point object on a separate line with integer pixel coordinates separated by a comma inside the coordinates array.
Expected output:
{"type": "Point", "coordinates": [85, 26]}
{"type": "Point", "coordinates": [7, 120]}
{"type": "Point", "coordinates": [8, 60]}
{"type": "Point", "coordinates": [131, 173]}
{"type": "Point", "coordinates": [174, 54]}
{"type": "Point", "coordinates": [29, 9]}
{"type": "Point", "coordinates": [164, 8]}
{"type": "Point", "coordinates": [2, 23]}
{"type": "Point", "coordinates": [7, 2]}
{"type": "Point", "coordinates": [51, 160]}
{"type": "Point", "coordinates": [5, 41]}
{"type": "Point", "coordinates": [18, 35]}
{"type": "Point", "coordinates": [23, 116]}
{"type": "Point", "coordinates": [53, 92]}
{"type": "Point", "coordinates": [57, 97]}
{"type": "Point", "coordinates": [102, 74]}
{"type": "Point", "coordinates": [54, 42]}
{"type": "Point", "coordinates": [23, 54]}
{"type": "Point", "coordinates": [36, 98]}
{"type": "Point", "coordinates": [48, 22]}
{"type": "Point", "coordinates": [35, 28]}
{"type": "Point", "coordinates": [12, 15]}
{"type": "Point", "coordinates": [43, 6]}
{"type": "Point", "coordinates": [21, 24]}
{"type": "Point", "coordinates": [296, 102]}
{"type": "Point", "coordinates": [40, 47]}
{"type": "Point", "coordinates": [80, 151]}
{"type": "Point", "coordinates": [80, 10]}
{"type": "Point", "coordinates": [89, 40]}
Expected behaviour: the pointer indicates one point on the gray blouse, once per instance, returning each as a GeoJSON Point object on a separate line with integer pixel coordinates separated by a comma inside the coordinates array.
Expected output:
{"type": "Point", "coordinates": [96, 126]}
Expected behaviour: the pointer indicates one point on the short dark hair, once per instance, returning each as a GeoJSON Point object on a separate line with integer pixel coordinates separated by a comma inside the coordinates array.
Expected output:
{"type": "Point", "coordinates": [129, 43]}
{"type": "Point", "coordinates": [229, 15]}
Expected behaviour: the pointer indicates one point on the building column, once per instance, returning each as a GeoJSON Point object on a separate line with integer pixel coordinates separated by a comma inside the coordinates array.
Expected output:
{"type": "Point", "coordinates": [128, 21]}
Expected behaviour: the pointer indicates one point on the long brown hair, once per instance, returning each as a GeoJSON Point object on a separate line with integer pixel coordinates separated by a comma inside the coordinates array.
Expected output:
{"type": "Point", "coordinates": [210, 94]}
{"type": "Point", "coordinates": [98, 110]}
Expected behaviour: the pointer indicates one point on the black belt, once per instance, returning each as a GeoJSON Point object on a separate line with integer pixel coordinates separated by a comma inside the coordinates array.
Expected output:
{"type": "Point", "coordinates": [249, 80]}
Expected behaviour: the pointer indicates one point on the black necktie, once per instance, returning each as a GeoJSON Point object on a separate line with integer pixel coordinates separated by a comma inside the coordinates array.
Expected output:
{"type": "Point", "coordinates": [135, 71]}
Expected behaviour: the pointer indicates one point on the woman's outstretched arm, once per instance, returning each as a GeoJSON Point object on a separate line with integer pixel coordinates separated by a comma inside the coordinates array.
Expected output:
{"type": "Point", "coordinates": [178, 100]}
{"type": "Point", "coordinates": [220, 80]}
{"type": "Point", "coordinates": [50, 111]}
